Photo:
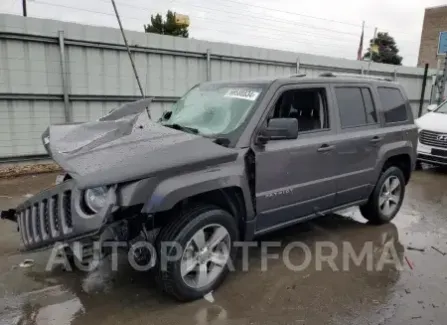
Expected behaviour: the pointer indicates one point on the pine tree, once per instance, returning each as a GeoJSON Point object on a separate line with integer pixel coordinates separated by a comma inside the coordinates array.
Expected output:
{"type": "Point", "coordinates": [156, 26]}
{"type": "Point", "coordinates": [167, 26]}
{"type": "Point", "coordinates": [387, 50]}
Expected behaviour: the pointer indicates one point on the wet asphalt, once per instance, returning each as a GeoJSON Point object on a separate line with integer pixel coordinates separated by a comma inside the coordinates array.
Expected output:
{"type": "Point", "coordinates": [395, 294]}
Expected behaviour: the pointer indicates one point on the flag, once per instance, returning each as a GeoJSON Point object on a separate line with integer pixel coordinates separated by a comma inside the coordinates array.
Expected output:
{"type": "Point", "coordinates": [360, 50]}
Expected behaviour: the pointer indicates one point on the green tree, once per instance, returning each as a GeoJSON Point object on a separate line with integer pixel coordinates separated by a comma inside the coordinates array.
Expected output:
{"type": "Point", "coordinates": [168, 26]}
{"type": "Point", "coordinates": [387, 50]}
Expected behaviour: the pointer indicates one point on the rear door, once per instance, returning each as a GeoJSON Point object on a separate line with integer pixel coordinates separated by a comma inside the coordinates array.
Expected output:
{"type": "Point", "coordinates": [358, 141]}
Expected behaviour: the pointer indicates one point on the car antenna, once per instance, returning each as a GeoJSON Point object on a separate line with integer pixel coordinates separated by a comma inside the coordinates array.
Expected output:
{"type": "Point", "coordinates": [130, 55]}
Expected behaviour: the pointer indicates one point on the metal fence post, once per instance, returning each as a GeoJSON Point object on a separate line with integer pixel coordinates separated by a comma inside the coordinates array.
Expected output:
{"type": "Point", "coordinates": [424, 84]}
{"type": "Point", "coordinates": [67, 110]}
{"type": "Point", "coordinates": [208, 65]}
{"type": "Point", "coordinates": [297, 65]}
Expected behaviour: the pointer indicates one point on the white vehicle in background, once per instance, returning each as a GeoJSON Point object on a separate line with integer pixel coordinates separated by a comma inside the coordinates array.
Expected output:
{"type": "Point", "coordinates": [432, 127]}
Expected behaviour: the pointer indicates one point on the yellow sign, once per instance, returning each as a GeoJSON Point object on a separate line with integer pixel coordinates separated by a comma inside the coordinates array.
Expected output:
{"type": "Point", "coordinates": [182, 20]}
{"type": "Point", "coordinates": [375, 48]}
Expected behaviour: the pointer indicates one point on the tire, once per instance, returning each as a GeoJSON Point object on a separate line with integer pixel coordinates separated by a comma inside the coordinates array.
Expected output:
{"type": "Point", "coordinates": [375, 210]}
{"type": "Point", "coordinates": [184, 230]}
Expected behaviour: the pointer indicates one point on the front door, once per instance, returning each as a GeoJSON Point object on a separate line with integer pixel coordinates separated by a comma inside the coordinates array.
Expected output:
{"type": "Point", "coordinates": [296, 178]}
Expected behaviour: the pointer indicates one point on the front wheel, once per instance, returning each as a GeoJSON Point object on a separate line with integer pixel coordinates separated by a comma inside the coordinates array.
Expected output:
{"type": "Point", "coordinates": [198, 262]}
{"type": "Point", "coordinates": [387, 197]}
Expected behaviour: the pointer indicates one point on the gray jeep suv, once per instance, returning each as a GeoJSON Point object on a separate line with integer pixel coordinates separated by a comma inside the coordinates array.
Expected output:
{"type": "Point", "coordinates": [229, 161]}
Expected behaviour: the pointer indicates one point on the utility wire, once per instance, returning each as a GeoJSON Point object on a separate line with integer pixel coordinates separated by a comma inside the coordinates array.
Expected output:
{"type": "Point", "coordinates": [200, 18]}
{"type": "Point", "coordinates": [307, 16]}
{"type": "Point", "coordinates": [313, 44]}
{"type": "Point", "coordinates": [248, 16]}
{"type": "Point", "coordinates": [252, 5]}
{"type": "Point", "coordinates": [294, 13]}
{"type": "Point", "coordinates": [267, 29]}
{"type": "Point", "coordinates": [234, 13]}
{"type": "Point", "coordinates": [302, 24]}
{"type": "Point", "coordinates": [263, 18]}
{"type": "Point", "coordinates": [76, 8]}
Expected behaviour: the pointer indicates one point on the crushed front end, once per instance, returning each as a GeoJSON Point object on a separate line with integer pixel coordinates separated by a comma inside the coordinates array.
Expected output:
{"type": "Point", "coordinates": [64, 213]}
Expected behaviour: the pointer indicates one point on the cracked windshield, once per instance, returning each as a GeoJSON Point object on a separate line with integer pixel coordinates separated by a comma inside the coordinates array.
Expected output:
{"type": "Point", "coordinates": [213, 109]}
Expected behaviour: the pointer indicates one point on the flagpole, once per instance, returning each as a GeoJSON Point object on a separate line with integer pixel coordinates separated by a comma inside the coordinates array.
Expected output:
{"type": "Point", "coordinates": [370, 52]}
{"type": "Point", "coordinates": [360, 49]}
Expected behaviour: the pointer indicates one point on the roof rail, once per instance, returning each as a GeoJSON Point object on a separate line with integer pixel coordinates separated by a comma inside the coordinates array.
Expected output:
{"type": "Point", "coordinates": [353, 75]}
{"type": "Point", "coordinates": [299, 75]}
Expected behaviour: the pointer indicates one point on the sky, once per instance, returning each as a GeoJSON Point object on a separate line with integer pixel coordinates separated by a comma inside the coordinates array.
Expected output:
{"type": "Point", "coordinates": [322, 27]}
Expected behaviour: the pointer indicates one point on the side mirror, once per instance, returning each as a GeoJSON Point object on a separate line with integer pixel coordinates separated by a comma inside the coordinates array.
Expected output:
{"type": "Point", "coordinates": [431, 107]}
{"type": "Point", "coordinates": [279, 129]}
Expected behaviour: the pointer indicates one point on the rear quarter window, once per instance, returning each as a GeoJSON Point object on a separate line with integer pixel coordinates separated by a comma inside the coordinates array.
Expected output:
{"type": "Point", "coordinates": [394, 104]}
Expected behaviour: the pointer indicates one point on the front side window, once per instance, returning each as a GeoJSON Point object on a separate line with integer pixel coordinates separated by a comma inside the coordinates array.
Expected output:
{"type": "Point", "coordinates": [214, 109]}
{"type": "Point", "coordinates": [307, 105]}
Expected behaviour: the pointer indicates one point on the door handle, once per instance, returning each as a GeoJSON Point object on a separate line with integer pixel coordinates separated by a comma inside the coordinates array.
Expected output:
{"type": "Point", "coordinates": [375, 139]}
{"type": "Point", "coordinates": [325, 148]}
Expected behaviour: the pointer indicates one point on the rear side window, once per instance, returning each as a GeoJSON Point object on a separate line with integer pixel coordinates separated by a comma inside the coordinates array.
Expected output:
{"type": "Point", "coordinates": [394, 105]}
{"type": "Point", "coordinates": [356, 106]}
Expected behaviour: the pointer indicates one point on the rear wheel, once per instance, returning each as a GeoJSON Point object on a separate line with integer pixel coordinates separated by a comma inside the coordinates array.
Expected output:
{"type": "Point", "coordinates": [205, 235]}
{"type": "Point", "coordinates": [387, 197]}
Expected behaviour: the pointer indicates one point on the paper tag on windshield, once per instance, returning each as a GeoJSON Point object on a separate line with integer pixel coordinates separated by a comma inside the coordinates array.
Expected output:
{"type": "Point", "coordinates": [247, 94]}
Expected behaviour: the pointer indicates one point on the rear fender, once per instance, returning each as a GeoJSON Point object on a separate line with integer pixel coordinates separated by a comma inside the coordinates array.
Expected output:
{"type": "Point", "coordinates": [394, 149]}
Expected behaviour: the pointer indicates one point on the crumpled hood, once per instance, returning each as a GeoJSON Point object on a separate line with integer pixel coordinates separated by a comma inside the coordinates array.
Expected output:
{"type": "Point", "coordinates": [125, 146]}
{"type": "Point", "coordinates": [433, 121]}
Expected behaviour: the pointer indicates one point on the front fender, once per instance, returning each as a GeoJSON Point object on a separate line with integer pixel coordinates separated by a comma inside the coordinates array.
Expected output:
{"type": "Point", "coordinates": [175, 189]}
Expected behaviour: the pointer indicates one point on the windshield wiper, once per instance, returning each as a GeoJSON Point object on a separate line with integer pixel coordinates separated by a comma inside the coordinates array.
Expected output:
{"type": "Point", "coordinates": [219, 140]}
{"type": "Point", "coordinates": [182, 128]}
{"type": "Point", "coordinates": [222, 141]}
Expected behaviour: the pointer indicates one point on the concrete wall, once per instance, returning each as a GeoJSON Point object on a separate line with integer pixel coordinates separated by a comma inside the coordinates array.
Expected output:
{"type": "Point", "coordinates": [98, 74]}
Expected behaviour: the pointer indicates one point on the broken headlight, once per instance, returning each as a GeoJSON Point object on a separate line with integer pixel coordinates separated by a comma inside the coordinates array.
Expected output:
{"type": "Point", "coordinates": [96, 198]}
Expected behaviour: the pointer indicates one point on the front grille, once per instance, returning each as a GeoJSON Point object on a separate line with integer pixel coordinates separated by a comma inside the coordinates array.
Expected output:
{"type": "Point", "coordinates": [430, 138]}
{"type": "Point", "coordinates": [48, 219]}
{"type": "Point", "coordinates": [56, 215]}
{"type": "Point", "coordinates": [37, 228]}
{"type": "Point", "coordinates": [67, 208]}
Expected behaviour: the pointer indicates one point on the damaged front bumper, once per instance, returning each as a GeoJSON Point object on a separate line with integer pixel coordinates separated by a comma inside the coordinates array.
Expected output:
{"type": "Point", "coordinates": [56, 215]}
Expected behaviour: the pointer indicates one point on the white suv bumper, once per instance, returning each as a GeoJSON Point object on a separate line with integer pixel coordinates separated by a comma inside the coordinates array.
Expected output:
{"type": "Point", "coordinates": [429, 154]}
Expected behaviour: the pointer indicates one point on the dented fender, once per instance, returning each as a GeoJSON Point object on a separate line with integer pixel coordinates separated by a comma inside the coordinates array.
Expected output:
{"type": "Point", "coordinates": [174, 189]}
